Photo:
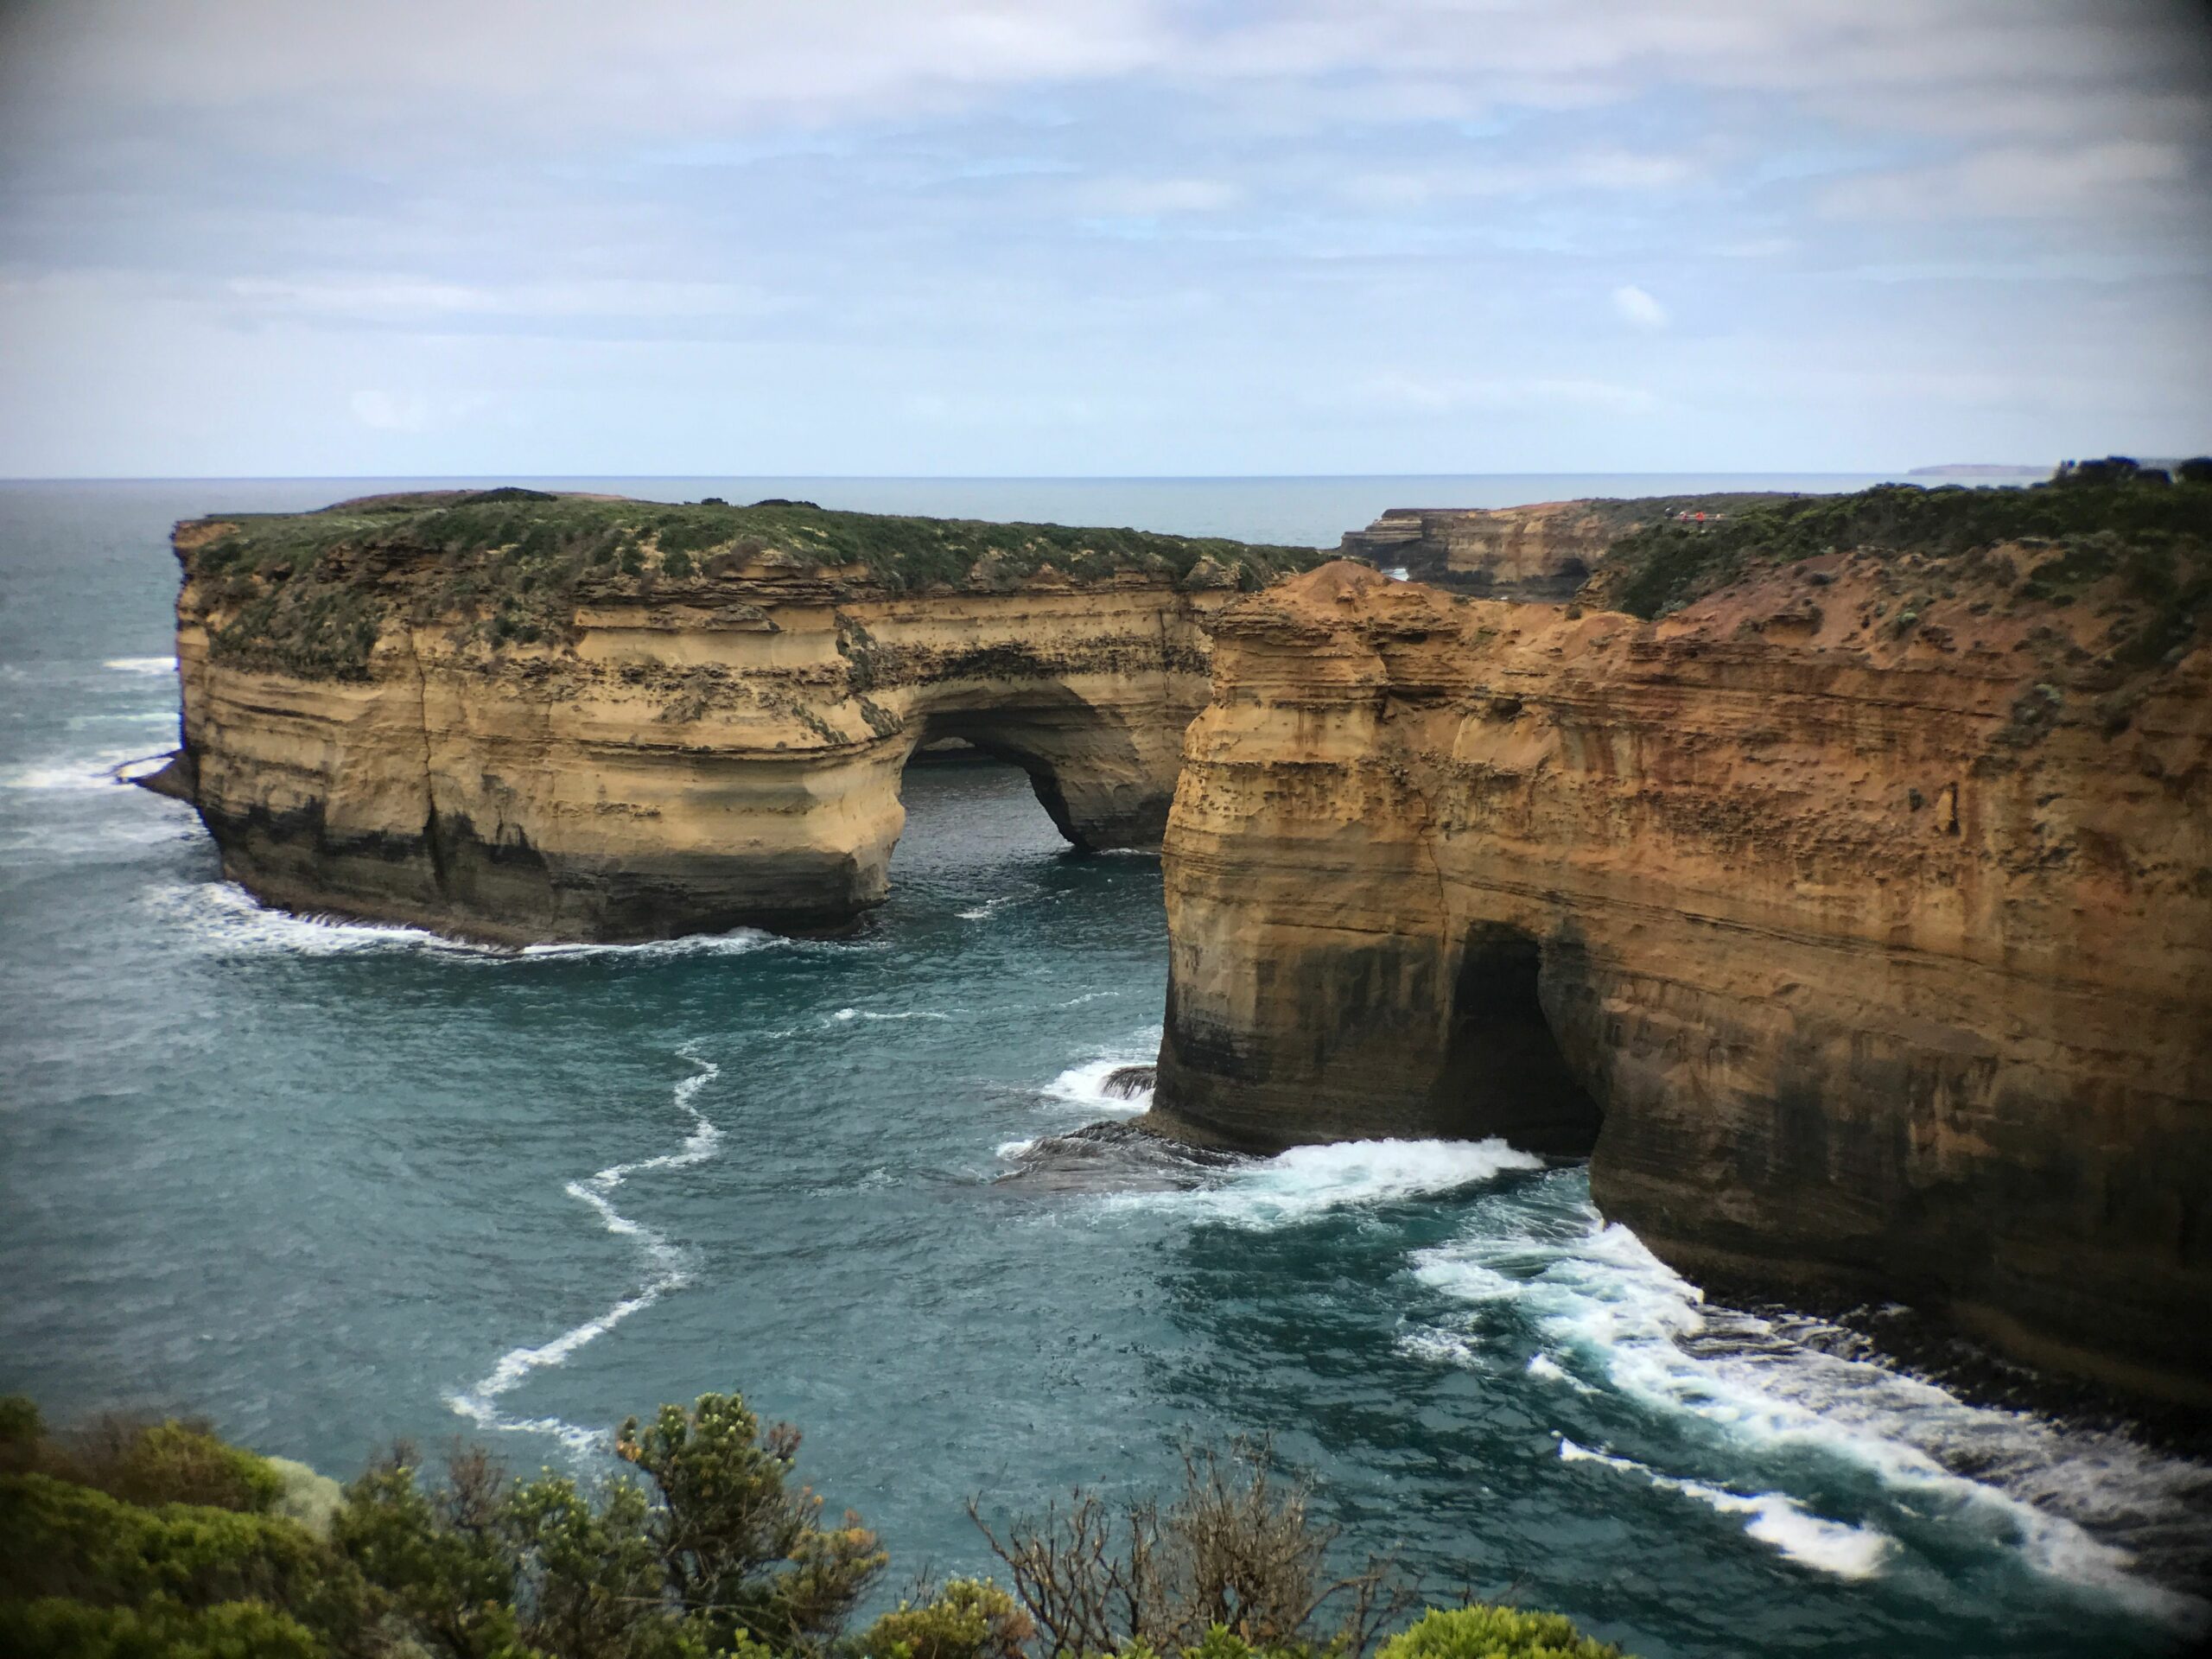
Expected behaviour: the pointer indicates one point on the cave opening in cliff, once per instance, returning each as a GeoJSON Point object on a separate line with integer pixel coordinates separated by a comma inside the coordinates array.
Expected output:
{"type": "Point", "coordinates": [1029, 738]}
{"type": "Point", "coordinates": [1503, 1068]}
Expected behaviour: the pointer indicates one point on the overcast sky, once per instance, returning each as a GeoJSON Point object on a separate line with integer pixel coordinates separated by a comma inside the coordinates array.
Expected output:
{"type": "Point", "coordinates": [271, 237]}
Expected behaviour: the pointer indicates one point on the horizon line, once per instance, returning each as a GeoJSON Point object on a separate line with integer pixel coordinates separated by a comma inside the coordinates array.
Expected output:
{"type": "Point", "coordinates": [1011, 478]}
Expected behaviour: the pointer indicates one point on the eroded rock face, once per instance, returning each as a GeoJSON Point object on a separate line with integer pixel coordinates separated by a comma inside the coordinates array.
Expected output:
{"type": "Point", "coordinates": [688, 755]}
{"type": "Point", "coordinates": [1871, 949]}
{"type": "Point", "coordinates": [1541, 552]}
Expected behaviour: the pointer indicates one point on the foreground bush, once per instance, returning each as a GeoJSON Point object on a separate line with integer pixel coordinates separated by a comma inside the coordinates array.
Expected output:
{"type": "Point", "coordinates": [1236, 1558]}
{"type": "Point", "coordinates": [126, 1540]}
{"type": "Point", "coordinates": [1494, 1633]}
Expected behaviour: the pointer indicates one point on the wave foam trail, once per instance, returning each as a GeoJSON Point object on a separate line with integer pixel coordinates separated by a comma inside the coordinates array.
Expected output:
{"type": "Point", "coordinates": [1777, 1519]}
{"type": "Point", "coordinates": [230, 921]}
{"type": "Point", "coordinates": [736, 943]}
{"type": "Point", "coordinates": [141, 664]}
{"type": "Point", "coordinates": [80, 771]}
{"type": "Point", "coordinates": [1308, 1181]}
{"type": "Point", "coordinates": [2077, 1504]}
{"type": "Point", "coordinates": [479, 1402]}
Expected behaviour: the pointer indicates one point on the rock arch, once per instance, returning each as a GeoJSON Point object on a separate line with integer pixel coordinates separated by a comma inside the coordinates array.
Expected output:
{"type": "Point", "coordinates": [680, 764]}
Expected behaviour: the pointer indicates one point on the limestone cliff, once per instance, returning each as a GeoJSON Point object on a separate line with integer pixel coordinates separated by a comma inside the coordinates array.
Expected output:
{"type": "Point", "coordinates": [1541, 552]}
{"type": "Point", "coordinates": [1858, 914]}
{"type": "Point", "coordinates": [522, 717]}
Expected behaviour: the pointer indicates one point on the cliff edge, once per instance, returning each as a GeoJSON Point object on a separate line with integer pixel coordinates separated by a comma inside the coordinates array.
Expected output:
{"type": "Point", "coordinates": [1855, 914]}
{"type": "Point", "coordinates": [522, 716]}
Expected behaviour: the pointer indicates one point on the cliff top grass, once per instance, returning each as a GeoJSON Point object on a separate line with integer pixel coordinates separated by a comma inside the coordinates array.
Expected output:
{"type": "Point", "coordinates": [308, 592]}
{"type": "Point", "coordinates": [2083, 524]}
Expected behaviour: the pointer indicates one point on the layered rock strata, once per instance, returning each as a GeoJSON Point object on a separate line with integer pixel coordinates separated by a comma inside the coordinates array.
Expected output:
{"type": "Point", "coordinates": [667, 744]}
{"type": "Point", "coordinates": [1544, 552]}
{"type": "Point", "coordinates": [1863, 934]}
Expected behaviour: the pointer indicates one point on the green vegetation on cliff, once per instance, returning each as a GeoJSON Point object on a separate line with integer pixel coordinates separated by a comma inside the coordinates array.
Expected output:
{"type": "Point", "coordinates": [2099, 519]}
{"type": "Point", "coordinates": [308, 592]}
{"type": "Point", "coordinates": [129, 1541]}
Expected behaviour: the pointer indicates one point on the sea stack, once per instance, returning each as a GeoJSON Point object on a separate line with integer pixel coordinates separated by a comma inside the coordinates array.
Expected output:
{"type": "Point", "coordinates": [518, 716]}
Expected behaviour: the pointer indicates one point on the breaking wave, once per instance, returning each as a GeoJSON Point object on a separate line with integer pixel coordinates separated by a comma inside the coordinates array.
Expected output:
{"type": "Point", "coordinates": [141, 664]}
{"type": "Point", "coordinates": [667, 1269]}
{"type": "Point", "coordinates": [1604, 1316]}
{"type": "Point", "coordinates": [1848, 1552]}
{"type": "Point", "coordinates": [100, 769]}
{"type": "Point", "coordinates": [1107, 1084]}
{"type": "Point", "coordinates": [226, 920]}
{"type": "Point", "coordinates": [1308, 1181]}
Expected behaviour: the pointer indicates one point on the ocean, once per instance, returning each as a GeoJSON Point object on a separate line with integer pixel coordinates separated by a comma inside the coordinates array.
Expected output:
{"type": "Point", "coordinates": [331, 1185]}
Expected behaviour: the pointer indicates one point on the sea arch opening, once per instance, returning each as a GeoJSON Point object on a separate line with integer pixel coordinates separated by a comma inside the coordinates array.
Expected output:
{"type": "Point", "coordinates": [1105, 781]}
{"type": "Point", "coordinates": [1504, 1071]}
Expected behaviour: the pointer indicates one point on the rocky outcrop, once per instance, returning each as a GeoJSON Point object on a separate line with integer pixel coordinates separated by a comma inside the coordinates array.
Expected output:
{"type": "Point", "coordinates": [1543, 552]}
{"type": "Point", "coordinates": [1546, 551]}
{"type": "Point", "coordinates": [1856, 918]}
{"type": "Point", "coordinates": [388, 716]}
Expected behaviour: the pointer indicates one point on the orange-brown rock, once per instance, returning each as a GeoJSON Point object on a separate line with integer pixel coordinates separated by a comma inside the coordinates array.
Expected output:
{"type": "Point", "coordinates": [1544, 551]}
{"type": "Point", "coordinates": [668, 744]}
{"type": "Point", "coordinates": [1869, 945]}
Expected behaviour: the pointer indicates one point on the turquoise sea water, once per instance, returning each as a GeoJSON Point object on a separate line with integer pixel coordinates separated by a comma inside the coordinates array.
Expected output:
{"type": "Point", "coordinates": [330, 1184]}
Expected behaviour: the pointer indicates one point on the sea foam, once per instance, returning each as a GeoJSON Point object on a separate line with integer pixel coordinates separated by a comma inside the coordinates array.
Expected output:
{"type": "Point", "coordinates": [1608, 1312]}
{"type": "Point", "coordinates": [101, 769]}
{"type": "Point", "coordinates": [1088, 1086]}
{"type": "Point", "coordinates": [1777, 1519]}
{"type": "Point", "coordinates": [668, 1268]}
{"type": "Point", "coordinates": [1309, 1181]}
{"type": "Point", "coordinates": [226, 920]}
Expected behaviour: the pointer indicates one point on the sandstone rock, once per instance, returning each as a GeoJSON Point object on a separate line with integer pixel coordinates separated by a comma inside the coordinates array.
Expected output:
{"type": "Point", "coordinates": [1546, 551]}
{"type": "Point", "coordinates": [1440, 865]}
{"type": "Point", "coordinates": [653, 743]}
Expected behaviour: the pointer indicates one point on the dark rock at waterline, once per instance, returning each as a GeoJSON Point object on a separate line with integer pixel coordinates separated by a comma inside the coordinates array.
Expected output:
{"type": "Point", "coordinates": [1128, 1082]}
{"type": "Point", "coordinates": [172, 778]}
{"type": "Point", "coordinates": [1119, 1155]}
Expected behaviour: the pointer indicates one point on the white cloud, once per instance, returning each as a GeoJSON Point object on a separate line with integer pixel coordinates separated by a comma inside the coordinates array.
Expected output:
{"type": "Point", "coordinates": [1634, 306]}
{"type": "Point", "coordinates": [1619, 170]}
{"type": "Point", "coordinates": [731, 230]}
{"type": "Point", "coordinates": [2017, 181]}
{"type": "Point", "coordinates": [1405, 392]}
{"type": "Point", "coordinates": [390, 411]}
{"type": "Point", "coordinates": [1147, 197]}
{"type": "Point", "coordinates": [438, 73]}
{"type": "Point", "coordinates": [393, 299]}
{"type": "Point", "coordinates": [412, 411]}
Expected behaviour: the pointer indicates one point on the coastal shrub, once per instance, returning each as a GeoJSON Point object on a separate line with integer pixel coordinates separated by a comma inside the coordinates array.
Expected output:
{"type": "Point", "coordinates": [307, 593]}
{"type": "Point", "coordinates": [54, 1628]}
{"type": "Point", "coordinates": [1494, 1633]}
{"type": "Point", "coordinates": [742, 1546]}
{"type": "Point", "coordinates": [710, 1550]}
{"type": "Point", "coordinates": [1237, 1555]}
{"type": "Point", "coordinates": [2094, 516]}
{"type": "Point", "coordinates": [968, 1618]}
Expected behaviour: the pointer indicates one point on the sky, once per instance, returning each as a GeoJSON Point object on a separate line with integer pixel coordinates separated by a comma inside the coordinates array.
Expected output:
{"type": "Point", "coordinates": [1056, 238]}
